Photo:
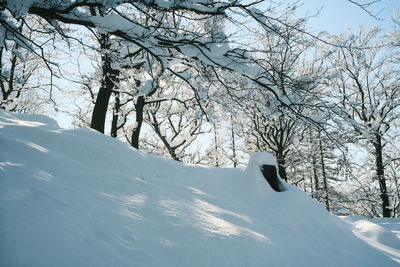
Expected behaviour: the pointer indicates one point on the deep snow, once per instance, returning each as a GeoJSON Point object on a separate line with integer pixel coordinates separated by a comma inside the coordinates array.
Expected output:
{"type": "Point", "coordinates": [381, 233]}
{"type": "Point", "coordinates": [80, 198]}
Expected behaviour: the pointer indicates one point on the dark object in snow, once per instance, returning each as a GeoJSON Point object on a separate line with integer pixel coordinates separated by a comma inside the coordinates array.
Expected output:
{"type": "Point", "coordinates": [270, 174]}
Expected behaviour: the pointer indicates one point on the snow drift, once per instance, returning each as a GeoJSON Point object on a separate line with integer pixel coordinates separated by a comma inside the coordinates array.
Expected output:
{"type": "Point", "coordinates": [79, 198]}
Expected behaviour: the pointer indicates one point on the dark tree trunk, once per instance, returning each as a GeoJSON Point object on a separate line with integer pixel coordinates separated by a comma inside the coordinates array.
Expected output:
{"type": "Point", "coordinates": [316, 182]}
{"type": "Point", "coordinates": [171, 150]}
{"type": "Point", "coordinates": [114, 123]}
{"type": "Point", "coordinates": [381, 176]}
{"type": "Point", "coordinates": [139, 106]}
{"type": "Point", "coordinates": [100, 109]}
{"type": "Point", "coordinates": [109, 78]}
{"type": "Point", "coordinates": [315, 172]}
{"type": "Point", "coordinates": [233, 144]}
{"type": "Point", "coordinates": [324, 176]}
{"type": "Point", "coordinates": [172, 153]}
{"type": "Point", "coordinates": [315, 177]}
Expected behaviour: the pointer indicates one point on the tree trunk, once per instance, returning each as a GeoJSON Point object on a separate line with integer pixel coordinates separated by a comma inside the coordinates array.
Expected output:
{"type": "Point", "coordinates": [381, 177]}
{"type": "Point", "coordinates": [171, 150]}
{"type": "Point", "coordinates": [216, 145]}
{"type": "Point", "coordinates": [109, 78]}
{"type": "Point", "coordinates": [315, 175]}
{"type": "Point", "coordinates": [233, 144]}
{"type": "Point", "coordinates": [100, 109]}
{"type": "Point", "coordinates": [324, 176]}
{"type": "Point", "coordinates": [115, 119]}
{"type": "Point", "coordinates": [139, 106]}
{"type": "Point", "coordinates": [157, 130]}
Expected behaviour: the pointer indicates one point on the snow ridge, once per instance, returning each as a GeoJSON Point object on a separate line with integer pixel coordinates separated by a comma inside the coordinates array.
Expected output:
{"type": "Point", "coordinates": [79, 198]}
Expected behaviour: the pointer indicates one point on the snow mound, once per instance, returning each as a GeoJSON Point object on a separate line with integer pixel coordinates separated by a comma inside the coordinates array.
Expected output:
{"type": "Point", "coordinates": [254, 169]}
{"type": "Point", "coordinates": [29, 120]}
{"type": "Point", "coordinates": [79, 198]}
{"type": "Point", "coordinates": [261, 158]}
{"type": "Point", "coordinates": [381, 233]}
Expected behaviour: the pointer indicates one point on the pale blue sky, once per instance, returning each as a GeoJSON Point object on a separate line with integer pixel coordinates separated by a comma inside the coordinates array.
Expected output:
{"type": "Point", "coordinates": [339, 15]}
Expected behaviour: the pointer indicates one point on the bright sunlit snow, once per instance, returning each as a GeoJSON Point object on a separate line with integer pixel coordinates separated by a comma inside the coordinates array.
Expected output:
{"type": "Point", "coordinates": [80, 198]}
{"type": "Point", "coordinates": [381, 233]}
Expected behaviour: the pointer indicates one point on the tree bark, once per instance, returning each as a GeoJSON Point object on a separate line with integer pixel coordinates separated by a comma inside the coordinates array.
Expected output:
{"type": "Point", "coordinates": [324, 176]}
{"type": "Point", "coordinates": [157, 130]}
{"type": "Point", "coordinates": [315, 175]}
{"type": "Point", "coordinates": [381, 176]}
{"type": "Point", "coordinates": [315, 170]}
{"type": "Point", "coordinates": [316, 192]}
{"type": "Point", "coordinates": [233, 144]}
{"type": "Point", "coordinates": [139, 106]}
{"type": "Point", "coordinates": [114, 123]}
{"type": "Point", "coordinates": [109, 78]}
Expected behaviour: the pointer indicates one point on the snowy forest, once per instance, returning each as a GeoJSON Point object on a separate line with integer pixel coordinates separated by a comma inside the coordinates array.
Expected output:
{"type": "Point", "coordinates": [211, 82]}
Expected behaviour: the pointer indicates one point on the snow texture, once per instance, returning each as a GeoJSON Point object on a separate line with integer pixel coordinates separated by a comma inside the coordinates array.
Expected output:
{"type": "Point", "coordinates": [80, 198]}
{"type": "Point", "coordinates": [381, 233]}
{"type": "Point", "coordinates": [261, 158]}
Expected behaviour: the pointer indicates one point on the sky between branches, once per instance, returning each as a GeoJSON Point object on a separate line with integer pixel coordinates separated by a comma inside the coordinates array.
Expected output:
{"type": "Point", "coordinates": [336, 16]}
{"type": "Point", "coordinates": [332, 16]}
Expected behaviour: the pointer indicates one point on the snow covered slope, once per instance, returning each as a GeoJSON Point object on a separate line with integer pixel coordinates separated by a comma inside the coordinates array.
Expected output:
{"type": "Point", "coordinates": [79, 198]}
{"type": "Point", "coordinates": [381, 233]}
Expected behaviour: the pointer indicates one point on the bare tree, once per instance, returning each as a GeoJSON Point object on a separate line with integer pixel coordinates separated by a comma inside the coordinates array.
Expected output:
{"type": "Point", "coordinates": [22, 87]}
{"type": "Point", "coordinates": [366, 97]}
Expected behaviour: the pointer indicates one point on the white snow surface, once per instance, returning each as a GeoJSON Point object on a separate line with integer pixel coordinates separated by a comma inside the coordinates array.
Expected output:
{"type": "Point", "coordinates": [381, 233]}
{"type": "Point", "coordinates": [80, 198]}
